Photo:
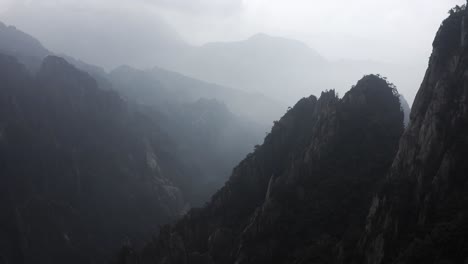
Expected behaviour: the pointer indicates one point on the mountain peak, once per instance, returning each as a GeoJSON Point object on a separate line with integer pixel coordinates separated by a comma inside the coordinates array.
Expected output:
{"type": "Point", "coordinates": [17, 42]}
{"type": "Point", "coordinates": [269, 40]}
{"type": "Point", "coordinates": [260, 35]}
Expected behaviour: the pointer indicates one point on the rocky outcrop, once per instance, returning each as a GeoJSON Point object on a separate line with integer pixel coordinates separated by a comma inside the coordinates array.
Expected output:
{"type": "Point", "coordinates": [301, 196]}
{"type": "Point", "coordinates": [307, 195]}
{"type": "Point", "coordinates": [421, 214]}
{"type": "Point", "coordinates": [81, 173]}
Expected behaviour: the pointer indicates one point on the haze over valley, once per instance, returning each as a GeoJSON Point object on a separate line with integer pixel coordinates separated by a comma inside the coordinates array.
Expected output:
{"type": "Point", "coordinates": [233, 132]}
{"type": "Point", "coordinates": [266, 47]}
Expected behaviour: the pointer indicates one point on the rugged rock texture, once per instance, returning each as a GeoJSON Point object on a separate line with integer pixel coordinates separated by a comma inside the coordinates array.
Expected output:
{"type": "Point", "coordinates": [406, 110]}
{"type": "Point", "coordinates": [303, 195]}
{"type": "Point", "coordinates": [421, 214]}
{"type": "Point", "coordinates": [80, 173]}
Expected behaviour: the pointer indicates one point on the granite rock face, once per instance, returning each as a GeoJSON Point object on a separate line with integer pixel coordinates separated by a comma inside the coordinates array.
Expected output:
{"type": "Point", "coordinates": [335, 183]}
{"type": "Point", "coordinates": [421, 214]}
{"type": "Point", "coordinates": [303, 195]}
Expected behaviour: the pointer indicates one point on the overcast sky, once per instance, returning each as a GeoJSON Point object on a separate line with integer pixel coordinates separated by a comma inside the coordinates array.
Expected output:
{"type": "Point", "coordinates": [385, 30]}
{"type": "Point", "coordinates": [390, 31]}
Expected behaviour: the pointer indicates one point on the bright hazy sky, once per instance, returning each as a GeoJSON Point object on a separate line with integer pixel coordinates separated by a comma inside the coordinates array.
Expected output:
{"type": "Point", "coordinates": [385, 30]}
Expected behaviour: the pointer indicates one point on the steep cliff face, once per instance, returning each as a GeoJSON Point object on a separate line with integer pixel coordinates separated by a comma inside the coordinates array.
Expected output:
{"type": "Point", "coordinates": [80, 173]}
{"type": "Point", "coordinates": [303, 195]}
{"type": "Point", "coordinates": [421, 214]}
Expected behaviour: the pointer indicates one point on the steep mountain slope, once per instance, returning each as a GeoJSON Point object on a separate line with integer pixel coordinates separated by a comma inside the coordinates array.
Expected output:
{"type": "Point", "coordinates": [30, 52]}
{"type": "Point", "coordinates": [214, 139]}
{"type": "Point", "coordinates": [303, 195]}
{"type": "Point", "coordinates": [421, 215]}
{"type": "Point", "coordinates": [80, 172]}
{"type": "Point", "coordinates": [107, 37]}
{"type": "Point", "coordinates": [170, 99]}
{"type": "Point", "coordinates": [208, 134]}
{"type": "Point", "coordinates": [159, 86]}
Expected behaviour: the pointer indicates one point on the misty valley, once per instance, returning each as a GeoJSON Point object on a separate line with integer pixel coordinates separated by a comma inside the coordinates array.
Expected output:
{"type": "Point", "coordinates": [160, 151]}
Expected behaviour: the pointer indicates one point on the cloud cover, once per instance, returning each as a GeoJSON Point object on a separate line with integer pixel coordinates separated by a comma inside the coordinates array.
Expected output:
{"type": "Point", "coordinates": [392, 31]}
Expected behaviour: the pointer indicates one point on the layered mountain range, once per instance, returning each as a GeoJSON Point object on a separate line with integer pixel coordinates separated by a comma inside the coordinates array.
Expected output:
{"type": "Point", "coordinates": [281, 68]}
{"type": "Point", "coordinates": [72, 157]}
{"type": "Point", "coordinates": [301, 194]}
{"type": "Point", "coordinates": [79, 146]}
{"type": "Point", "coordinates": [90, 161]}
{"type": "Point", "coordinates": [234, 120]}
{"type": "Point", "coordinates": [335, 183]}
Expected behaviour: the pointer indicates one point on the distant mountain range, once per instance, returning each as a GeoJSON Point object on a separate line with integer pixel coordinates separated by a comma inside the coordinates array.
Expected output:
{"type": "Point", "coordinates": [280, 68]}
{"type": "Point", "coordinates": [253, 106]}
{"type": "Point", "coordinates": [80, 146]}
{"type": "Point", "coordinates": [93, 159]}
{"type": "Point", "coordinates": [339, 180]}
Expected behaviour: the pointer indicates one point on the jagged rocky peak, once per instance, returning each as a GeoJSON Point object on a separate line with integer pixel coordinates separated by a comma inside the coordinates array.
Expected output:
{"type": "Point", "coordinates": [374, 91]}
{"type": "Point", "coordinates": [277, 205]}
{"type": "Point", "coordinates": [420, 216]}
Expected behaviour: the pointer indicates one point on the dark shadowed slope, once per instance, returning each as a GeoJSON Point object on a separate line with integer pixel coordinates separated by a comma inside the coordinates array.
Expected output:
{"type": "Point", "coordinates": [80, 172]}
{"type": "Point", "coordinates": [198, 116]}
{"type": "Point", "coordinates": [173, 102]}
{"type": "Point", "coordinates": [421, 215]}
{"type": "Point", "coordinates": [301, 196]}
{"type": "Point", "coordinates": [30, 52]}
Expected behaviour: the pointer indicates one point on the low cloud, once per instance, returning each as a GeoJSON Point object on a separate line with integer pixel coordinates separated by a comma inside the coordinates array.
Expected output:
{"type": "Point", "coordinates": [201, 7]}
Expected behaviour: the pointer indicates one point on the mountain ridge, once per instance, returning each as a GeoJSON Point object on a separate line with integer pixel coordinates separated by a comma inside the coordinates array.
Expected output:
{"type": "Point", "coordinates": [249, 219]}
{"type": "Point", "coordinates": [61, 139]}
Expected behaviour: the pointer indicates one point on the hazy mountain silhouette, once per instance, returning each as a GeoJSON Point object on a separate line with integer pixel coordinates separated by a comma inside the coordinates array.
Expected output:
{"type": "Point", "coordinates": [335, 183]}
{"type": "Point", "coordinates": [337, 180]}
{"type": "Point", "coordinates": [108, 37]}
{"type": "Point", "coordinates": [73, 158]}
{"type": "Point", "coordinates": [276, 66]}
{"type": "Point", "coordinates": [303, 192]}
{"type": "Point", "coordinates": [281, 68]}
{"type": "Point", "coordinates": [209, 135]}
{"type": "Point", "coordinates": [158, 86]}
{"type": "Point", "coordinates": [191, 144]}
